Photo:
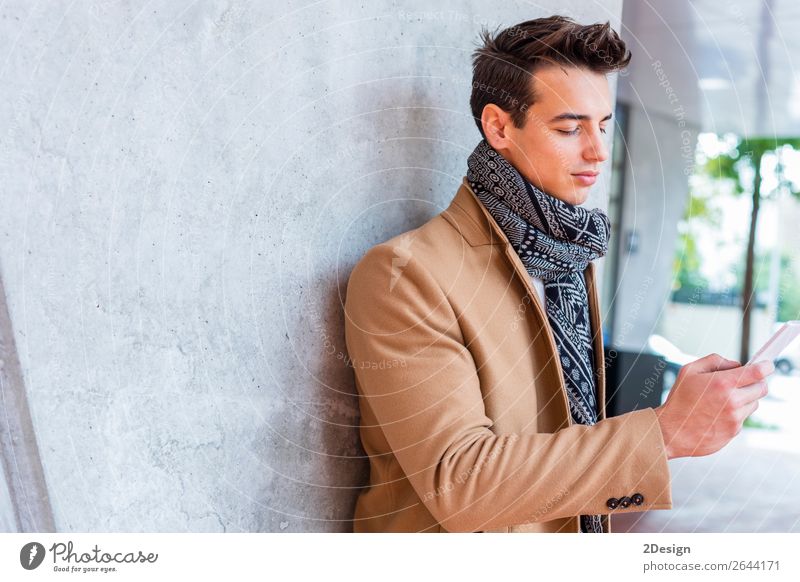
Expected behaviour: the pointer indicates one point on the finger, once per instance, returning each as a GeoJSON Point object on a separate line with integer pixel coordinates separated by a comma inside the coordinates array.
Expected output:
{"type": "Point", "coordinates": [745, 375]}
{"type": "Point", "coordinates": [747, 410]}
{"type": "Point", "coordinates": [712, 363]}
{"type": "Point", "coordinates": [748, 394]}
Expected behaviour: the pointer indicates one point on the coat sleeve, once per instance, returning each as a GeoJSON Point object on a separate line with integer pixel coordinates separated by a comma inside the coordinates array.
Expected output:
{"type": "Point", "coordinates": [419, 379]}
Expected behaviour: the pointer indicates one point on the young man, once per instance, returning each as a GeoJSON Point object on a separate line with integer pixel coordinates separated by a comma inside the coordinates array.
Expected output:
{"type": "Point", "coordinates": [476, 337]}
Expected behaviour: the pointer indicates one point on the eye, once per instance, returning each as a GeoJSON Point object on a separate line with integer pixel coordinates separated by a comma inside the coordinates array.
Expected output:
{"type": "Point", "coordinates": [566, 132]}
{"type": "Point", "coordinates": [602, 130]}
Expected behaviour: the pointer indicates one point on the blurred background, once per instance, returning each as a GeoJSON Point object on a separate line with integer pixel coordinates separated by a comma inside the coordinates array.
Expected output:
{"type": "Point", "coordinates": [705, 198]}
{"type": "Point", "coordinates": [187, 185]}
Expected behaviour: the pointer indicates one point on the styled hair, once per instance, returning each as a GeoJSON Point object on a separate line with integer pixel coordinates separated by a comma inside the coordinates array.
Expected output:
{"type": "Point", "coordinates": [503, 66]}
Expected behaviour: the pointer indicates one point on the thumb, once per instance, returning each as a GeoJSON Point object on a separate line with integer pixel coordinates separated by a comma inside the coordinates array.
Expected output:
{"type": "Point", "coordinates": [713, 363]}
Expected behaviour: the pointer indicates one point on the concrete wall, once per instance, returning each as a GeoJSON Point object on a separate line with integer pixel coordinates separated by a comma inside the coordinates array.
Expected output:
{"type": "Point", "coordinates": [186, 187]}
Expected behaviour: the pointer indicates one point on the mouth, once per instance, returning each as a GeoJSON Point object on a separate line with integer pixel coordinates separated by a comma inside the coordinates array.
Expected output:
{"type": "Point", "coordinates": [586, 178]}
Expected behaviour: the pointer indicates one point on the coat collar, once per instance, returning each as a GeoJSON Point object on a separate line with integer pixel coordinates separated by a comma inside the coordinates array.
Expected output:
{"type": "Point", "coordinates": [472, 220]}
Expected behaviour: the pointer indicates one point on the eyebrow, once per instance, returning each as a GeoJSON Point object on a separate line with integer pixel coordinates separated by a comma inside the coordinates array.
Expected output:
{"type": "Point", "coordinates": [576, 117]}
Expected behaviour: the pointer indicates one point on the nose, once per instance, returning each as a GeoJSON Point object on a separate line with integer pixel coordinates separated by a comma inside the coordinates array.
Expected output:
{"type": "Point", "coordinates": [596, 149]}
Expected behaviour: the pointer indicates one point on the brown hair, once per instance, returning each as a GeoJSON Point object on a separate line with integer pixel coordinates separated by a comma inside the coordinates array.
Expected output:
{"type": "Point", "coordinates": [502, 68]}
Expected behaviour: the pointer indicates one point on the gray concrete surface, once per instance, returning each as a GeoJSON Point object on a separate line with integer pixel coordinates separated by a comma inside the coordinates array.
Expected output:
{"type": "Point", "coordinates": [186, 186]}
{"type": "Point", "coordinates": [24, 501]}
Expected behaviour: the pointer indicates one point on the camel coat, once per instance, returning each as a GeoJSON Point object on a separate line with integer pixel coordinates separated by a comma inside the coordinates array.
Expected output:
{"type": "Point", "coordinates": [464, 412]}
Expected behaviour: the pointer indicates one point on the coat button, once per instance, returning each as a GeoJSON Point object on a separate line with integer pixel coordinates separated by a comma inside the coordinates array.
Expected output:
{"type": "Point", "coordinates": [612, 503]}
{"type": "Point", "coordinates": [625, 502]}
{"type": "Point", "coordinates": [637, 498]}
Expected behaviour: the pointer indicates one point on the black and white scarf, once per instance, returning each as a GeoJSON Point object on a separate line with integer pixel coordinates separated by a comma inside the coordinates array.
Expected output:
{"type": "Point", "coordinates": [555, 241]}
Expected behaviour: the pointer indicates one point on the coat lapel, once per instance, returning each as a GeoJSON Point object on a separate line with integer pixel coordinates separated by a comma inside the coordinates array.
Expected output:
{"type": "Point", "coordinates": [476, 225]}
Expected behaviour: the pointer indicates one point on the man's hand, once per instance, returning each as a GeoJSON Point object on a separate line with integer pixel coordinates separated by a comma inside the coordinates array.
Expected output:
{"type": "Point", "coordinates": [708, 404]}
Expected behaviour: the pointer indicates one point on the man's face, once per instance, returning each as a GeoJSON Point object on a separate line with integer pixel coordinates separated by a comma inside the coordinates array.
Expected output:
{"type": "Point", "coordinates": [563, 141]}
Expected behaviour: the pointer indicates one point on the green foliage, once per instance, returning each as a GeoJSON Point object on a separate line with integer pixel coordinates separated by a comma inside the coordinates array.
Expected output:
{"type": "Point", "coordinates": [750, 422]}
{"type": "Point", "coordinates": [735, 164]}
{"type": "Point", "coordinates": [733, 170]}
{"type": "Point", "coordinates": [686, 264]}
{"type": "Point", "coordinates": [789, 297]}
{"type": "Point", "coordinates": [726, 166]}
{"type": "Point", "coordinates": [761, 271]}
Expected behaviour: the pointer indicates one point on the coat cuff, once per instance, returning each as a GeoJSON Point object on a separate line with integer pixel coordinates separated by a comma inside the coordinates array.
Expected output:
{"type": "Point", "coordinates": [642, 481]}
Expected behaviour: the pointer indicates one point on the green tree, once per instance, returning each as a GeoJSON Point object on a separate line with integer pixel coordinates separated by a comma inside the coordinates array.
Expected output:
{"type": "Point", "coordinates": [736, 165]}
{"type": "Point", "coordinates": [761, 272]}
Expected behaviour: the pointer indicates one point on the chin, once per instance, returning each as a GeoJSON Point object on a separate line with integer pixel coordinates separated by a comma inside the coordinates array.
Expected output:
{"type": "Point", "coordinates": [574, 197]}
{"type": "Point", "coordinates": [580, 198]}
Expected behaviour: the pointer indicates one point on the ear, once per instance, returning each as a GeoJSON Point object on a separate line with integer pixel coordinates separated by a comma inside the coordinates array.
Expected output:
{"type": "Point", "coordinates": [496, 124]}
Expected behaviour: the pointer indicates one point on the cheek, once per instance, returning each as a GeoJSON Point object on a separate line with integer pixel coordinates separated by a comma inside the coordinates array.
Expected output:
{"type": "Point", "coordinates": [559, 165]}
{"type": "Point", "coordinates": [557, 153]}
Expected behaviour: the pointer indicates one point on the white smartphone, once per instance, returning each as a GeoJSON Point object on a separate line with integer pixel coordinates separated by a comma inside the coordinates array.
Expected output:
{"type": "Point", "coordinates": [777, 343]}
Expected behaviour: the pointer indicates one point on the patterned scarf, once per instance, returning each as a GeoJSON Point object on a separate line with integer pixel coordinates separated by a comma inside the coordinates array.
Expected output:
{"type": "Point", "coordinates": [555, 241]}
